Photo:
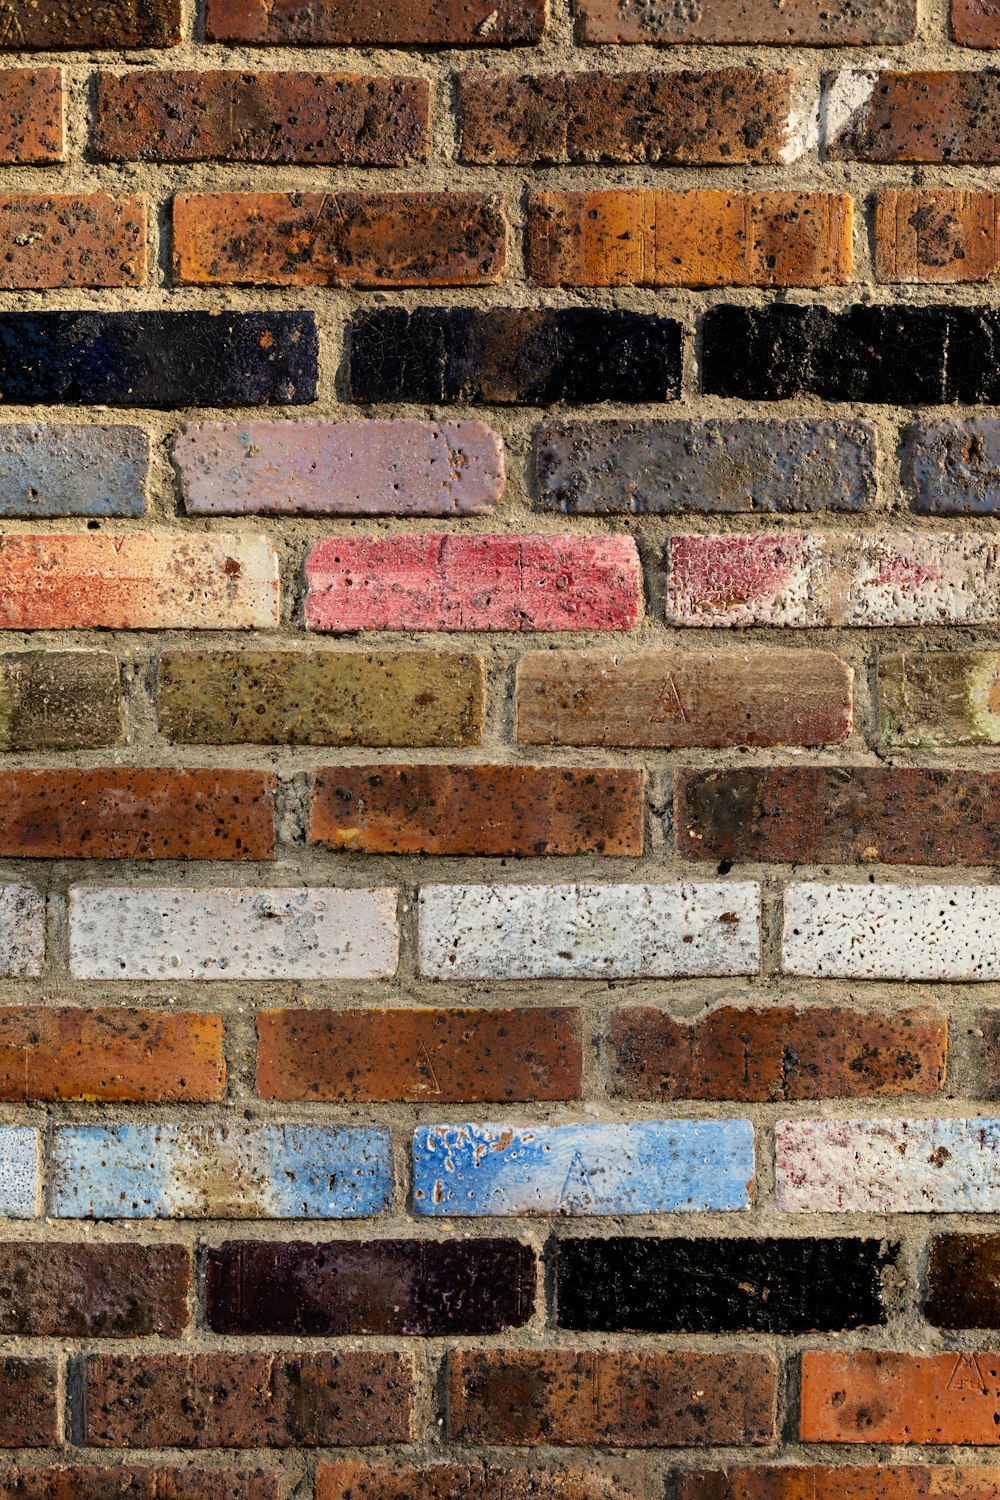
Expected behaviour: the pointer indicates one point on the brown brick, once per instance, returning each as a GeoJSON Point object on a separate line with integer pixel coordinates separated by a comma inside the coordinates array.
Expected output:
{"type": "Point", "coordinates": [932, 117]}
{"type": "Point", "coordinates": [963, 1281]}
{"type": "Point", "coordinates": [82, 25]}
{"type": "Point", "coordinates": [794, 23]}
{"type": "Point", "coordinates": [841, 1482]}
{"type": "Point", "coordinates": [360, 1480]}
{"type": "Point", "coordinates": [337, 23]}
{"type": "Point", "coordinates": [647, 1400]}
{"type": "Point", "coordinates": [29, 1416]}
{"type": "Point", "coordinates": [88, 1482]}
{"type": "Point", "coordinates": [59, 700]}
{"type": "Point", "coordinates": [975, 23]}
{"type": "Point", "coordinates": [277, 1400]}
{"type": "Point", "coordinates": [31, 116]}
{"type": "Point", "coordinates": [69, 240]}
{"type": "Point", "coordinates": [936, 235]}
{"type": "Point", "coordinates": [94, 1291]}
{"type": "Point", "coordinates": [726, 116]}
{"type": "Point", "coordinates": [113, 1053]}
{"type": "Point", "coordinates": [433, 1056]}
{"type": "Point", "coordinates": [777, 1053]}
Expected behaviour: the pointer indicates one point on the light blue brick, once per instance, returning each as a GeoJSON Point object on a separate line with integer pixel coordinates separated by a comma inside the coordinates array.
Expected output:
{"type": "Point", "coordinates": [637, 1167]}
{"type": "Point", "coordinates": [18, 1172]}
{"type": "Point", "coordinates": [62, 470]}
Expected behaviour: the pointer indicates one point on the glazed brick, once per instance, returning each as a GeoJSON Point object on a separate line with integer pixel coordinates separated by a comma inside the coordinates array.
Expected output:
{"type": "Point", "coordinates": [702, 238]}
{"type": "Point", "coordinates": [622, 1285]}
{"type": "Point", "coordinates": [638, 1167]}
{"type": "Point", "coordinates": [840, 1482]}
{"type": "Point", "coordinates": [338, 239]}
{"type": "Point", "coordinates": [138, 581]}
{"type": "Point", "coordinates": [59, 700]}
{"type": "Point", "coordinates": [111, 1053]}
{"type": "Point", "coordinates": [61, 470]}
{"type": "Point", "coordinates": [410, 1287]}
{"type": "Point", "coordinates": [315, 119]}
{"type": "Point", "coordinates": [974, 23]}
{"type": "Point", "coordinates": [22, 931]}
{"type": "Point", "coordinates": [162, 359]}
{"type": "Point", "coordinates": [943, 235]}
{"type": "Point", "coordinates": [247, 1400]}
{"type": "Point", "coordinates": [94, 1291]}
{"type": "Point", "coordinates": [502, 582]}
{"type": "Point", "coordinates": [953, 468]}
{"type": "Point", "coordinates": [361, 1480]}
{"type": "Point", "coordinates": [588, 931]}
{"type": "Point", "coordinates": [727, 116]}
{"type": "Point", "coordinates": [602, 1396]}
{"type": "Point", "coordinates": [939, 698]}
{"type": "Point", "coordinates": [420, 1055]}
{"type": "Point", "coordinates": [929, 117]}
{"type": "Point", "coordinates": [778, 23]}
{"type": "Point", "coordinates": [774, 1053]}
{"type": "Point", "coordinates": [963, 1281]}
{"type": "Point", "coordinates": [80, 25]}
{"type": "Point", "coordinates": [72, 240]}
{"type": "Point", "coordinates": [682, 698]}
{"type": "Point", "coordinates": [315, 932]}
{"type": "Point", "coordinates": [369, 468]}
{"type": "Point", "coordinates": [31, 116]}
{"type": "Point", "coordinates": [399, 23]}
{"type": "Point", "coordinates": [536, 356]}
{"type": "Point", "coordinates": [869, 1397]}
{"type": "Point", "coordinates": [322, 698]}
{"type": "Point", "coordinates": [479, 809]}
{"type": "Point", "coordinates": [18, 1173]}
{"type": "Point", "coordinates": [29, 1416]}
{"type": "Point", "coordinates": [88, 1482]}
{"type": "Point", "coordinates": [238, 1171]}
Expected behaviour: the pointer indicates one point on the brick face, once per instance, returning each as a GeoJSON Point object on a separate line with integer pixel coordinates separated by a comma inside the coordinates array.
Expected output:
{"type": "Point", "coordinates": [31, 116]}
{"type": "Point", "coordinates": [64, 240]}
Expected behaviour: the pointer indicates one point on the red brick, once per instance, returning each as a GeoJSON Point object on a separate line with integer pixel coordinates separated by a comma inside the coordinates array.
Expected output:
{"type": "Point", "coordinates": [94, 1291]}
{"type": "Point", "coordinates": [31, 116]}
{"type": "Point", "coordinates": [72, 240]}
{"type": "Point", "coordinates": [925, 116]}
{"type": "Point", "coordinates": [88, 1482]}
{"type": "Point", "coordinates": [29, 1415]}
{"type": "Point", "coordinates": [61, 25]}
{"type": "Point", "coordinates": [359, 1480]}
{"type": "Point", "coordinates": [843, 1482]}
{"type": "Point", "coordinates": [335, 23]}
{"type": "Point", "coordinates": [870, 1397]}
{"type": "Point", "coordinates": [793, 23]}
{"type": "Point", "coordinates": [975, 23]}
{"type": "Point", "coordinates": [939, 235]}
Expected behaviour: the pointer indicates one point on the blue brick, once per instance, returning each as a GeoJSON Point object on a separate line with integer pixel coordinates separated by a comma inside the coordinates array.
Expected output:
{"type": "Point", "coordinates": [73, 471]}
{"type": "Point", "coordinates": [18, 1172]}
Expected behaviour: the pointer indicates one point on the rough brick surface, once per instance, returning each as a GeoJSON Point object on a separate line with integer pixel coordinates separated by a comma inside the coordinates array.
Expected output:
{"type": "Point", "coordinates": [900, 1398]}
{"type": "Point", "coordinates": [29, 1417]}
{"type": "Point", "coordinates": [804, 23]}
{"type": "Point", "coordinates": [841, 1482]}
{"type": "Point", "coordinates": [31, 116]}
{"type": "Point", "coordinates": [963, 1281]}
{"type": "Point", "coordinates": [70, 240]}
{"type": "Point", "coordinates": [930, 117]}
{"type": "Point", "coordinates": [943, 235]}
{"type": "Point", "coordinates": [56, 25]}
{"type": "Point", "coordinates": [499, 1480]}
{"type": "Point", "coordinates": [59, 700]}
{"type": "Point", "coordinates": [94, 1291]}
{"type": "Point", "coordinates": [939, 698]}
{"type": "Point", "coordinates": [975, 23]}
{"type": "Point", "coordinates": [953, 468]}
{"type": "Point", "coordinates": [88, 1482]}
{"type": "Point", "coordinates": [443, 23]}
{"type": "Point", "coordinates": [59, 470]}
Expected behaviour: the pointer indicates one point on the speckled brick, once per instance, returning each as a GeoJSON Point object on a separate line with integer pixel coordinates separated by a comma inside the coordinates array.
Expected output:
{"type": "Point", "coordinates": [939, 235]}
{"type": "Point", "coordinates": [953, 468]}
{"type": "Point", "coordinates": [59, 700]}
{"type": "Point", "coordinates": [365, 1480]}
{"type": "Point", "coordinates": [18, 1174]}
{"type": "Point", "coordinates": [841, 1482]}
{"type": "Point", "coordinates": [780, 23]}
{"type": "Point", "coordinates": [29, 1415]}
{"type": "Point", "coordinates": [888, 1397]}
{"type": "Point", "coordinates": [72, 240]}
{"type": "Point", "coordinates": [975, 23]}
{"type": "Point", "coordinates": [939, 698]}
{"type": "Point", "coordinates": [88, 1482]}
{"type": "Point", "coordinates": [22, 931]}
{"type": "Point", "coordinates": [59, 470]}
{"type": "Point", "coordinates": [31, 116]}
{"type": "Point", "coordinates": [94, 1291]}
{"type": "Point", "coordinates": [58, 25]}
{"type": "Point", "coordinates": [923, 117]}
{"type": "Point", "coordinates": [414, 23]}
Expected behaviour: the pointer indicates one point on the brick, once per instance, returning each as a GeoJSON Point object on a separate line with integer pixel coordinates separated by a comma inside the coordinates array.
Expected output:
{"type": "Point", "coordinates": [87, 1482]}
{"type": "Point", "coordinates": [655, 466]}
{"type": "Point", "coordinates": [842, 1482]}
{"type": "Point", "coordinates": [623, 1285]}
{"type": "Point", "coordinates": [963, 1281]}
{"type": "Point", "coordinates": [369, 468]}
{"type": "Point", "coordinates": [588, 931]}
{"type": "Point", "coordinates": [408, 1287]}
{"type": "Point", "coordinates": [72, 240]}
{"type": "Point", "coordinates": [639, 1167]}
{"type": "Point", "coordinates": [801, 23]}
{"type": "Point", "coordinates": [975, 23]}
{"type": "Point", "coordinates": [419, 1055]}
{"type": "Point", "coordinates": [339, 239]}
{"type": "Point", "coordinates": [362, 1480]}
{"type": "Point", "coordinates": [870, 1397]}
{"type": "Point", "coordinates": [313, 932]}
{"type": "Point", "coordinates": [502, 582]}
{"type": "Point", "coordinates": [681, 118]}
{"type": "Point", "coordinates": [29, 1416]}
{"type": "Point", "coordinates": [164, 359]}
{"type": "Point", "coordinates": [335, 23]}
{"type": "Point", "coordinates": [322, 698]}
{"type": "Point", "coordinates": [478, 809]}
{"type": "Point", "coordinates": [313, 119]}
{"type": "Point", "coordinates": [924, 116]}
{"type": "Point", "coordinates": [939, 698]}
{"type": "Point", "coordinates": [94, 1291]}
{"type": "Point", "coordinates": [22, 931]}
{"type": "Point", "coordinates": [59, 700]}
{"type": "Point", "coordinates": [31, 116]}
{"type": "Point", "coordinates": [773, 1053]}
{"type": "Point", "coordinates": [83, 25]}
{"type": "Point", "coordinates": [110, 1054]}
{"type": "Point", "coordinates": [59, 470]}
{"type": "Point", "coordinates": [703, 238]}
{"type": "Point", "coordinates": [683, 698]}
{"type": "Point", "coordinates": [536, 356]}
{"type": "Point", "coordinates": [18, 1174]}
{"type": "Point", "coordinates": [944, 235]}
{"type": "Point", "coordinates": [138, 581]}
{"type": "Point", "coordinates": [280, 1400]}
{"type": "Point", "coordinates": [953, 468]}
{"type": "Point", "coordinates": [602, 1396]}
{"type": "Point", "coordinates": [984, 1031]}
{"type": "Point", "coordinates": [238, 1171]}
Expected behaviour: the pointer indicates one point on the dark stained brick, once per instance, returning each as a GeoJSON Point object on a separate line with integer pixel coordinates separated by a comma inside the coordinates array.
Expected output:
{"type": "Point", "coordinates": [94, 1291]}
{"type": "Point", "coordinates": [963, 1281]}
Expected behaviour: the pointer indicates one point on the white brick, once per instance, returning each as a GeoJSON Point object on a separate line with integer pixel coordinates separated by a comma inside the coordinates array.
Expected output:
{"type": "Point", "coordinates": [18, 1172]}
{"type": "Point", "coordinates": [22, 931]}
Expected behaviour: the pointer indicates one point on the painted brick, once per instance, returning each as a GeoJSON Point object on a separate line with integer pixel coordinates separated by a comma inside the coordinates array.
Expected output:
{"type": "Point", "coordinates": [110, 1053]}
{"type": "Point", "coordinates": [218, 1172]}
{"type": "Point", "coordinates": [869, 1397]}
{"type": "Point", "coordinates": [31, 116]}
{"type": "Point", "coordinates": [322, 698]}
{"type": "Point", "coordinates": [802, 23]}
{"type": "Point", "coordinates": [925, 116]}
{"type": "Point", "coordinates": [316, 119]}
{"type": "Point", "coordinates": [364, 468]}
{"type": "Point", "coordinates": [59, 700]}
{"type": "Point", "coordinates": [479, 809]}
{"type": "Point", "coordinates": [503, 582]}
{"type": "Point", "coordinates": [163, 359]}
{"type": "Point", "coordinates": [683, 698]}
{"type": "Point", "coordinates": [777, 1052]}
{"type": "Point", "coordinates": [61, 25]}
{"type": "Point", "coordinates": [640, 1167]}
{"type": "Point", "coordinates": [953, 468]}
{"type": "Point", "coordinates": [615, 1399]}
{"type": "Point", "coordinates": [888, 1166]}
{"type": "Point", "coordinates": [29, 1415]}
{"type": "Point", "coordinates": [72, 240]}
{"type": "Point", "coordinates": [362, 1480]}
{"type": "Point", "coordinates": [537, 356]}
{"type": "Point", "coordinates": [18, 1176]}
{"type": "Point", "coordinates": [369, 1287]}
{"type": "Point", "coordinates": [88, 1482]}
{"type": "Point", "coordinates": [974, 23]}
{"type": "Point", "coordinates": [339, 239]}
{"type": "Point", "coordinates": [932, 932]}
{"type": "Point", "coordinates": [176, 933]}
{"type": "Point", "coordinates": [281, 1400]}
{"type": "Point", "coordinates": [334, 23]}
{"type": "Point", "coordinates": [963, 1281]}
{"type": "Point", "coordinates": [137, 581]}
{"type": "Point", "coordinates": [843, 1482]}
{"type": "Point", "coordinates": [726, 116]}
{"type": "Point", "coordinates": [662, 467]}
{"type": "Point", "coordinates": [419, 1055]}
{"type": "Point", "coordinates": [94, 1291]}
{"type": "Point", "coordinates": [939, 698]}
{"type": "Point", "coordinates": [588, 931]}
{"type": "Point", "coordinates": [96, 470]}
{"type": "Point", "coordinates": [703, 238]}
{"type": "Point", "coordinates": [22, 931]}
{"type": "Point", "coordinates": [939, 235]}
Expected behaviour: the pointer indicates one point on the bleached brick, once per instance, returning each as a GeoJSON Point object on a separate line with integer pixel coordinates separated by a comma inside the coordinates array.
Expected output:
{"type": "Point", "coordinates": [18, 1172]}
{"type": "Point", "coordinates": [22, 931]}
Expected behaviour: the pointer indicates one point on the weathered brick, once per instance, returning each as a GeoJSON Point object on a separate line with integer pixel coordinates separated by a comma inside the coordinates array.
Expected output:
{"type": "Point", "coordinates": [953, 468]}
{"type": "Point", "coordinates": [18, 1173]}
{"type": "Point", "coordinates": [314, 932]}
{"type": "Point", "coordinates": [88, 1482]}
{"type": "Point", "coordinates": [963, 1281]}
{"type": "Point", "coordinates": [410, 1287]}
{"type": "Point", "coordinates": [502, 582]}
{"type": "Point", "coordinates": [637, 1167]}
{"type": "Point", "coordinates": [801, 23]}
{"type": "Point", "coordinates": [316, 119]}
{"type": "Point", "coordinates": [62, 470]}
{"type": "Point", "coordinates": [939, 698]}
{"type": "Point", "coordinates": [321, 698]}
{"type": "Point", "coordinates": [602, 1396]}
{"type": "Point", "coordinates": [361, 1480]}
{"type": "Point", "coordinates": [936, 235]}
{"type": "Point", "coordinates": [707, 237]}
{"type": "Point", "coordinates": [59, 700]}
{"type": "Point", "coordinates": [415, 23]}
{"type": "Point", "coordinates": [984, 1031]}
{"type": "Point", "coordinates": [871, 1397]}
{"type": "Point", "coordinates": [31, 116]}
{"type": "Point", "coordinates": [110, 1053]}
{"type": "Point", "coordinates": [975, 23]}
{"type": "Point", "coordinates": [280, 1400]}
{"type": "Point", "coordinates": [537, 356]}
{"type": "Point", "coordinates": [840, 1482]}
{"type": "Point", "coordinates": [94, 1291]}
{"type": "Point", "coordinates": [29, 1416]}
{"type": "Point", "coordinates": [726, 116]}
{"type": "Point", "coordinates": [776, 1053]}
{"type": "Point", "coordinates": [85, 25]}
{"type": "Point", "coordinates": [370, 467]}
{"type": "Point", "coordinates": [72, 240]}
{"type": "Point", "coordinates": [683, 698]}
{"type": "Point", "coordinates": [22, 931]}
{"type": "Point", "coordinates": [931, 117]}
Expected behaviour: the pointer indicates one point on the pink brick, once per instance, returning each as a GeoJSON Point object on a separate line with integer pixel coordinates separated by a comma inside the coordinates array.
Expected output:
{"type": "Point", "coordinates": [474, 583]}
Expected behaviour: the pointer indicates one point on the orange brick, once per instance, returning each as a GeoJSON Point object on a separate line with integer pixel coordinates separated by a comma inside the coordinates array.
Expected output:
{"type": "Point", "coordinates": [31, 116]}
{"type": "Point", "coordinates": [940, 235]}
{"type": "Point", "coordinates": [869, 1397]}
{"type": "Point", "coordinates": [69, 240]}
